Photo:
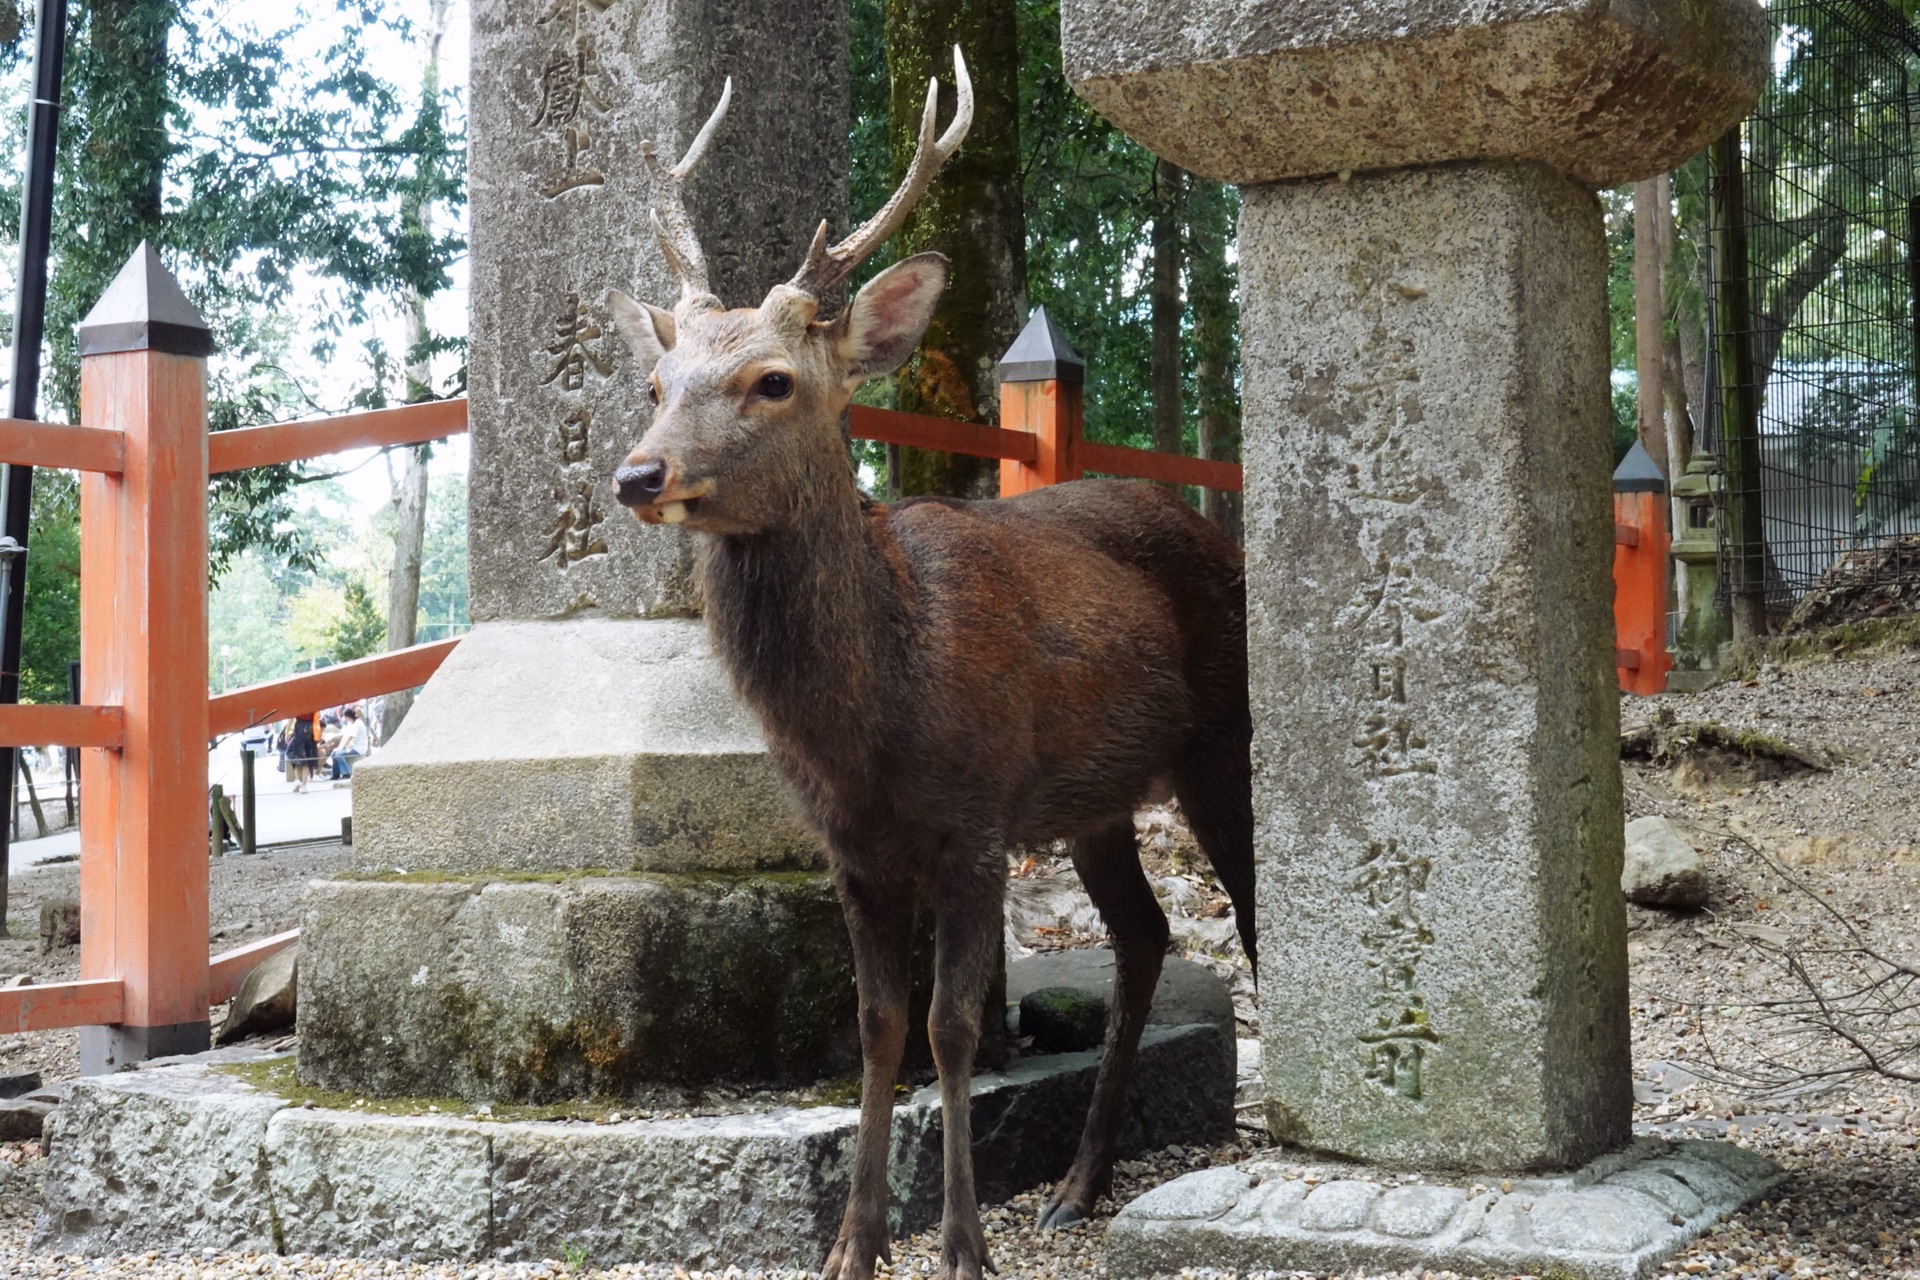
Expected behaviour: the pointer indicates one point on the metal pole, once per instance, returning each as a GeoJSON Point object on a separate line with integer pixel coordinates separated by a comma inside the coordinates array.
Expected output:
{"type": "Point", "coordinates": [248, 841]}
{"type": "Point", "coordinates": [216, 821]}
{"type": "Point", "coordinates": [29, 325]}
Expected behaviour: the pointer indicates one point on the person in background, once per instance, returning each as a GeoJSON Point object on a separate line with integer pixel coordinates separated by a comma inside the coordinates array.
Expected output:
{"type": "Point", "coordinates": [303, 751]}
{"type": "Point", "coordinates": [352, 744]}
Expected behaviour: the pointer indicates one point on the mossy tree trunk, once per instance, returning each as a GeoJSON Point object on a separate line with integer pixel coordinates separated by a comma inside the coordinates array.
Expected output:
{"type": "Point", "coordinates": [973, 214]}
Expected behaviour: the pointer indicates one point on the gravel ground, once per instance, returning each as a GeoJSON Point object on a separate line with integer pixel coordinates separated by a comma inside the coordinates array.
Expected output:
{"type": "Point", "coordinates": [1809, 873]}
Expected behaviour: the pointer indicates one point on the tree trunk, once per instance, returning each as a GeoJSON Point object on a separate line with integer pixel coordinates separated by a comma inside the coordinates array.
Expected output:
{"type": "Point", "coordinates": [1169, 411]}
{"type": "Point", "coordinates": [972, 214]}
{"type": "Point", "coordinates": [1210, 212]}
{"type": "Point", "coordinates": [410, 493]}
{"type": "Point", "coordinates": [1652, 207]}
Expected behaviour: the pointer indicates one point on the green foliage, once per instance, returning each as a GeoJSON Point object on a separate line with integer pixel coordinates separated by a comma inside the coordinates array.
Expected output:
{"type": "Point", "coordinates": [247, 614]}
{"type": "Point", "coordinates": [50, 633]}
{"type": "Point", "coordinates": [359, 629]}
{"type": "Point", "coordinates": [1626, 419]}
{"type": "Point", "coordinates": [247, 156]}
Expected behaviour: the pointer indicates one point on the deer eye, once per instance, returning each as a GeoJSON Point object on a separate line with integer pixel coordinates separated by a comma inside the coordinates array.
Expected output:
{"type": "Point", "coordinates": [774, 386]}
{"type": "Point", "coordinates": [653, 393]}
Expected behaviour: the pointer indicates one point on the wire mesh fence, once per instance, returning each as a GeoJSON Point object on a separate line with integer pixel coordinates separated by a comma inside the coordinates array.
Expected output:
{"type": "Point", "coordinates": [1829, 222]}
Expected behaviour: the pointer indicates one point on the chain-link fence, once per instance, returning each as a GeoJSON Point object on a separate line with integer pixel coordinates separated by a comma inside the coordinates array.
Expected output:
{"type": "Point", "coordinates": [1829, 220]}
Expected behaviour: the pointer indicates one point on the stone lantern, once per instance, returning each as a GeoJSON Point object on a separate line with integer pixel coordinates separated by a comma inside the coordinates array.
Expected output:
{"type": "Point", "coordinates": [1704, 626]}
{"type": "Point", "coordinates": [1428, 529]}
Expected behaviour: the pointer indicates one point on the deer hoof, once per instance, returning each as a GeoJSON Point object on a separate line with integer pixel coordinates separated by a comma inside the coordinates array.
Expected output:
{"type": "Point", "coordinates": [1061, 1213]}
{"type": "Point", "coordinates": [854, 1254]}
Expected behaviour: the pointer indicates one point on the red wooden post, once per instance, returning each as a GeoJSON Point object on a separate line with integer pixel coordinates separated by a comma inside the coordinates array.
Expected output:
{"type": "Point", "coordinates": [1640, 539]}
{"type": "Point", "coordinates": [143, 647]}
{"type": "Point", "coordinates": [1041, 383]}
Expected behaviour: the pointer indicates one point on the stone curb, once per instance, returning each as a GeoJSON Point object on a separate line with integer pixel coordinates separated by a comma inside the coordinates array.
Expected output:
{"type": "Point", "coordinates": [1615, 1219]}
{"type": "Point", "coordinates": [188, 1157]}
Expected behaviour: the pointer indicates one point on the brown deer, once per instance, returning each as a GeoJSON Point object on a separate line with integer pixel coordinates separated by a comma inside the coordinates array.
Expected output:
{"type": "Point", "coordinates": [940, 681]}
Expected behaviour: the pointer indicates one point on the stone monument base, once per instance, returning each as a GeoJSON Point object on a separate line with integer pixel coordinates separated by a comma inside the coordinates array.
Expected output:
{"type": "Point", "coordinates": [235, 1157]}
{"type": "Point", "coordinates": [1615, 1219]}
{"type": "Point", "coordinates": [540, 989]}
{"type": "Point", "coordinates": [585, 743]}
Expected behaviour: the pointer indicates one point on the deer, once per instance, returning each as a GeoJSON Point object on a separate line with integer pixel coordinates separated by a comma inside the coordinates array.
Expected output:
{"type": "Point", "coordinates": [940, 682]}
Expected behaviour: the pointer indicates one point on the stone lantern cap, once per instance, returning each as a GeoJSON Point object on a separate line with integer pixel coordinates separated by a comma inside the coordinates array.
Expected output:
{"type": "Point", "coordinates": [1246, 91]}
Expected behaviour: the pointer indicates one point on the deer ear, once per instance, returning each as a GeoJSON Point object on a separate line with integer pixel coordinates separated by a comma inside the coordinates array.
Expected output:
{"type": "Point", "coordinates": [647, 329]}
{"type": "Point", "coordinates": [879, 331]}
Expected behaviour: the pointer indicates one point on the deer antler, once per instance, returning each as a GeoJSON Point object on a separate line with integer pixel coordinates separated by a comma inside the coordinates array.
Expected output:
{"type": "Point", "coordinates": [826, 267]}
{"type": "Point", "coordinates": [670, 223]}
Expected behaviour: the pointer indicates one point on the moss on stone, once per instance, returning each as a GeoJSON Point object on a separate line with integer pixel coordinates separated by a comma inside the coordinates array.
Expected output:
{"type": "Point", "coordinates": [280, 1077]}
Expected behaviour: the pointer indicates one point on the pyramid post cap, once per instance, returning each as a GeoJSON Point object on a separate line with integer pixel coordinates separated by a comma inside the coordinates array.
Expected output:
{"type": "Point", "coordinates": [144, 309]}
{"type": "Point", "coordinates": [1637, 473]}
{"type": "Point", "coordinates": [1041, 353]}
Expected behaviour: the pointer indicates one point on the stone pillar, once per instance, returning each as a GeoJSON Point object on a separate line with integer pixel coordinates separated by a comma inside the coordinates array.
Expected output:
{"type": "Point", "coordinates": [584, 724]}
{"type": "Point", "coordinates": [1428, 529]}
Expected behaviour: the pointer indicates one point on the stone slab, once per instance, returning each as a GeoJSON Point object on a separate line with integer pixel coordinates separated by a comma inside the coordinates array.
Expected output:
{"type": "Point", "coordinates": [1614, 1219]}
{"type": "Point", "coordinates": [168, 1158]}
{"type": "Point", "coordinates": [554, 746]}
{"type": "Point", "coordinates": [1260, 90]}
{"type": "Point", "coordinates": [563, 95]}
{"type": "Point", "coordinates": [581, 987]}
{"type": "Point", "coordinates": [183, 1157]}
{"type": "Point", "coordinates": [1437, 785]}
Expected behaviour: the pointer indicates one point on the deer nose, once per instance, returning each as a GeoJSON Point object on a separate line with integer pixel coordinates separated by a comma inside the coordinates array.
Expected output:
{"type": "Point", "coordinates": [637, 484]}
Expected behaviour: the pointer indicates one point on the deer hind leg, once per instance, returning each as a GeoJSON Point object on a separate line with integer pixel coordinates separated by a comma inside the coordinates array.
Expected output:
{"type": "Point", "coordinates": [970, 924]}
{"type": "Point", "coordinates": [880, 924]}
{"type": "Point", "coordinates": [1109, 866]}
{"type": "Point", "coordinates": [1215, 787]}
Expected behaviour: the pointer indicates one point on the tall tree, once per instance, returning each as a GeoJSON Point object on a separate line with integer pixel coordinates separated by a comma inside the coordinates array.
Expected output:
{"type": "Point", "coordinates": [410, 490]}
{"type": "Point", "coordinates": [1211, 210]}
{"type": "Point", "coordinates": [1169, 407]}
{"type": "Point", "coordinates": [974, 214]}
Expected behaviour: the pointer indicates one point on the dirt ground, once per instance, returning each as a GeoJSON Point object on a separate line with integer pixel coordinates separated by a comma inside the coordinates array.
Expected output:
{"type": "Point", "coordinates": [1752, 1017]}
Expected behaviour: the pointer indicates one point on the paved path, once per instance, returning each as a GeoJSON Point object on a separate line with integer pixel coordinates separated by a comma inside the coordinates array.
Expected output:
{"type": "Point", "coordinates": [283, 814]}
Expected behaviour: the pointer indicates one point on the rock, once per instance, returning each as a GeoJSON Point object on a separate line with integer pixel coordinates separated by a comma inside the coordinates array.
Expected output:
{"type": "Point", "coordinates": [21, 1119]}
{"type": "Point", "coordinates": [59, 924]}
{"type": "Point", "coordinates": [1662, 868]}
{"type": "Point", "coordinates": [1187, 993]}
{"type": "Point", "coordinates": [14, 1086]}
{"type": "Point", "coordinates": [1063, 1019]}
{"type": "Point", "coordinates": [267, 997]}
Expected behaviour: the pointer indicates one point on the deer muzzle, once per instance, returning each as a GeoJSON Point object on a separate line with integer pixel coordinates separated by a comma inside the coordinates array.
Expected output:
{"type": "Point", "coordinates": [655, 493]}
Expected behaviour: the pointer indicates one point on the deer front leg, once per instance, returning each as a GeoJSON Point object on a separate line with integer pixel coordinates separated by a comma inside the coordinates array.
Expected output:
{"type": "Point", "coordinates": [969, 916]}
{"type": "Point", "coordinates": [880, 925]}
{"type": "Point", "coordinates": [1109, 867]}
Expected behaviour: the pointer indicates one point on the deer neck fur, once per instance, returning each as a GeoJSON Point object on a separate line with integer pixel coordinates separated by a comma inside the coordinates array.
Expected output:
{"type": "Point", "coordinates": [805, 615]}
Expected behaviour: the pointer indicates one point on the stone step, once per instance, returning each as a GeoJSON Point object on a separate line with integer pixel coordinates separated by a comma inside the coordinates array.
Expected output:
{"type": "Point", "coordinates": [196, 1156]}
